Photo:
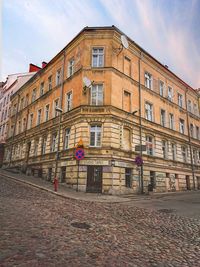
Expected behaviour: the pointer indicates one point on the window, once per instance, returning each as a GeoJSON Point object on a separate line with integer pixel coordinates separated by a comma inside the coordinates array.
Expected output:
{"type": "Point", "coordinates": [69, 101]}
{"type": "Point", "coordinates": [126, 139]}
{"type": "Point", "coordinates": [58, 77]}
{"type": "Point", "coordinates": [162, 117]}
{"type": "Point", "coordinates": [171, 121]}
{"type": "Point", "coordinates": [95, 136]}
{"type": "Point", "coordinates": [44, 144]}
{"type": "Point", "coordinates": [195, 109]}
{"type": "Point", "coordinates": [191, 130]}
{"type": "Point", "coordinates": [30, 120]}
{"type": "Point", "coordinates": [14, 109]}
{"type": "Point", "coordinates": [22, 103]}
{"type": "Point", "coordinates": [170, 93]}
{"type": "Point", "coordinates": [127, 101]}
{"type": "Point", "coordinates": [149, 145]}
{"type": "Point", "coordinates": [197, 132]}
{"type": "Point", "coordinates": [53, 143]}
{"type": "Point", "coordinates": [47, 112]}
{"type": "Point", "coordinates": [97, 94]}
{"type": "Point", "coordinates": [50, 83]}
{"type": "Point", "coordinates": [24, 124]}
{"type": "Point", "coordinates": [164, 149]}
{"type": "Point", "coordinates": [127, 66]}
{"type": "Point", "coordinates": [180, 100]}
{"type": "Point", "coordinates": [161, 87]}
{"type": "Point", "coordinates": [148, 80]}
{"type": "Point", "coordinates": [41, 88]}
{"type": "Point", "coordinates": [34, 95]}
{"type": "Point", "coordinates": [8, 98]}
{"type": "Point", "coordinates": [149, 111]}
{"type": "Point", "coordinates": [67, 136]}
{"type": "Point", "coordinates": [27, 100]}
{"type": "Point", "coordinates": [4, 101]}
{"type": "Point", "coordinates": [71, 67]}
{"type": "Point", "coordinates": [182, 126]}
{"type": "Point", "coordinates": [39, 114]}
{"type": "Point", "coordinates": [189, 105]}
{"type": "Point", "coordinates": [2, 115]}
{"type": "Point", "coordinates": [194, 153]}
{"type": "Point", "coordinates": [5, 114]}
{"type": "Point", "coordinates": [97, 57]}
{"type": "Point", "coordinates": [36, 147]}
{"type": "Point", "coordinates": [19, 127]}
{"type": "Point", "coordinates": [56, 103]}
{"type": "Point", "coordinates": [173, 148]}
{"type": "Point", "coordinates": [184, 153]}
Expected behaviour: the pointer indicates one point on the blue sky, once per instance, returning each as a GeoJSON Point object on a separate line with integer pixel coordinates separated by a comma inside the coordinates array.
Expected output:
{"type": "Point", "coordinates": [36, 30]}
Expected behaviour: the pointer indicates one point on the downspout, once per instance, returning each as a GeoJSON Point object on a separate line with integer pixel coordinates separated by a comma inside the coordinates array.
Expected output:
{"type": "Point", "coordinates": [140, 122]}
{"type": "Point", "coordinates": [189, 139]}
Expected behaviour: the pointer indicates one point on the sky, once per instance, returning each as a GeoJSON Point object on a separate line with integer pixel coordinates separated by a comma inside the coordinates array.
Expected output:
{"type": "Point", "coordinates": [36, 30]}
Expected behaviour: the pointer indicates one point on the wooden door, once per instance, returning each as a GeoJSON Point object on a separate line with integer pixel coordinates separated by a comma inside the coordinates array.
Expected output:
{"type": "Point", "coordinates": [94, 179]}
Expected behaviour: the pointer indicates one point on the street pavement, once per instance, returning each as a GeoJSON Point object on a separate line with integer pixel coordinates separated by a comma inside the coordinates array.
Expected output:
{"type": "Point", "coordinates": [38, 228]}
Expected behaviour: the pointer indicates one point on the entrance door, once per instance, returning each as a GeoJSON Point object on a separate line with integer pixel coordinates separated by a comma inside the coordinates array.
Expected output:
{"type": "Point", "coordinates": [187, 177]}
{"type": "Point", "coordinates": [94, 179]}
{"type": "Point", "coordinates": [128, 173]}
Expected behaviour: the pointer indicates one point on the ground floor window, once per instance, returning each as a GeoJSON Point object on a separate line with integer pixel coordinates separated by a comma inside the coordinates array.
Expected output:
{"type": "Point", "coordinates": [153, 179]}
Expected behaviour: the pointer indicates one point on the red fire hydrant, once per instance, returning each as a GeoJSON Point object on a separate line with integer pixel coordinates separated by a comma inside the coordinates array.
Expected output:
{"type": "Point", "coordinates": [55, 182]}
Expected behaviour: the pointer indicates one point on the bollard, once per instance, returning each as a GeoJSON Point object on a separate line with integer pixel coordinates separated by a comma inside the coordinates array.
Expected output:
{"type": "Point", "coordinates": [55, 182]}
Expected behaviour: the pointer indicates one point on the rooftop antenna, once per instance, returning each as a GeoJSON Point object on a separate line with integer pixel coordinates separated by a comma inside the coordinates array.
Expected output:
{"type": "Point", "coordinates": [87, 84]}
{"type": "Point", "coordinates": [124, 44]}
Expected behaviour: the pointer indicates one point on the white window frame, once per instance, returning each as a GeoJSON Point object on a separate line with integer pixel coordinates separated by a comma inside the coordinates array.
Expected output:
{"type": "Point", "coordinates": [56, 113]}
{"type": "Point", "coordinates": [44, 145]}
{"type": "Point", "coordinates": [97, 130]}
{"type": "Point", "coordinates": [163, 117]}
{"type": "Point", "coordinates": [30, 123]}
{"type": "Point", "coordinates": [173, 150]}
{"type": "Point", "coordinates": [165, 149]}
{"type": "Point", "coordinates": [184, 153]}
{"type": "Point", "coordinates": [171, 121]}
{"type": "Point", "coordinates": [150, 145]}
{"type": "Point", "coordinates": [58, 77]}
{"type": "Point", "coordinates": [39, 116]}
{"type": "Point", "coordinates": [97, 57]}
{"type": "Point", "coordinates": [192, 130]}
{"type": "Point", "coordinates": [69, 98]}
{"type": "Point", "coordinates": [180, 100]}
{"type": "Point", "coordinates": [47, 117]}
{"type": "Point", "coordinates": [71, 67]}
{"type": "Point", "coordinates": [67, 138]}
{"type": "Point", "coordinates": [97, 94]}
{"type": "Point", "coordinates": [148, 78]}
{"type": "Point", "coordinates": [149, 111]}
{"type": "Point", "coordinates": [189, 104]}
{"type": "Point", "coordinates": [54, 141]}
{"type": "Point", "coordinates": [170, 93]}
{"type": "Point", "coordinates": [181, 126]}
{"type": "Point", "coordinates": [161, 88]}
{"type": "Point", "coordinates": [49, 82]}
{"type": "Point", "coordinates": [41, 88]}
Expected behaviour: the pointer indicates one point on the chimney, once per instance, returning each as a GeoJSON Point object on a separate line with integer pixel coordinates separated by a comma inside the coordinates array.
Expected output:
{"type": "Point", "coordinates": [43, 64]}
{"type": "Point", "coordinates": [33, 68]}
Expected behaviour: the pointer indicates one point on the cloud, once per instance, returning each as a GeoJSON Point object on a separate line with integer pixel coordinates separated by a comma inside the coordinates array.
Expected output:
{"type": "Point", "coordinates": [165, 28]}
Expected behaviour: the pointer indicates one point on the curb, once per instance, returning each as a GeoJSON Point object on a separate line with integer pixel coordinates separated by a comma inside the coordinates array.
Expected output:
{"type": "Point", "coordinates": [62, 195]}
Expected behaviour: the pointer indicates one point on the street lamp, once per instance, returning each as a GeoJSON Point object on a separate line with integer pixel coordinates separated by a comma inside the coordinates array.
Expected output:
{"type": "Point", "coordinates": [58, 148]}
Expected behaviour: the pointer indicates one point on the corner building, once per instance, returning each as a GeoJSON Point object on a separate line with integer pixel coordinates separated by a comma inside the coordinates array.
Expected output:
{"type": "Point", "coordinates": [132, 100]}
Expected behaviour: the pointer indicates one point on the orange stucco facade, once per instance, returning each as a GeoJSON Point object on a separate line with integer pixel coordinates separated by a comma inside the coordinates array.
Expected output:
{"type": "Point", "coordinates": [132, 100]}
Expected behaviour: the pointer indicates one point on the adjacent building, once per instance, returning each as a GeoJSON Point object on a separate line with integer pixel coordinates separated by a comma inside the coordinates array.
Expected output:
{"type": "Point", "coordinates": [122, 103]}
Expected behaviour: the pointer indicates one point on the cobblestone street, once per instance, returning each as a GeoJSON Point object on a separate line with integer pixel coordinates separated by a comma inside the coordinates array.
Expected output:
{"type": "Point", "coordinates": [39, 229]}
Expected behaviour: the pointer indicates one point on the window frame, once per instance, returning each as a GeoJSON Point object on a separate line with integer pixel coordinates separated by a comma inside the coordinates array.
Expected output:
{"type": "Point", "coordinates": [96, 97]}
{"type": "Point", "coordinates": [98, 56]}
{"type": "Point", "coordinates": [96, 131]}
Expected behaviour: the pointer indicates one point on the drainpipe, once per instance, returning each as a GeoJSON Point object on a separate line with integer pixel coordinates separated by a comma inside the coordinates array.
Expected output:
{"type": "Point", "coordinates": [140, 123]}
{"type": "Point", "coordinates": [60, 117]}
{"type": "Point", "coordinates": [16, 115]}
{"type": "Point", "coordinates": [189, 140]}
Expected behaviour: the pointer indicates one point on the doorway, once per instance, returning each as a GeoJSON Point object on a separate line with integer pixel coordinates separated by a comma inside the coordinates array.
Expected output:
{"type": "Point", "coordinates": [63, 174]}
{"type": "Point", "coordinates": [187, 178]}
{"type": "Point", "coordinates": [198, 182]}
{"type": "Point", "coordinates": [94, 179]}
{"type": "Point", "coordinates": [128, 174]}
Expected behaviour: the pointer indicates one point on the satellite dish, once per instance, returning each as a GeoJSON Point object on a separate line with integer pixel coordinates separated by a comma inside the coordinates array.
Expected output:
{"type": "Point", "coordinates": [86, 81]}
{"type": "Point", "coordinates": [124, 41]}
